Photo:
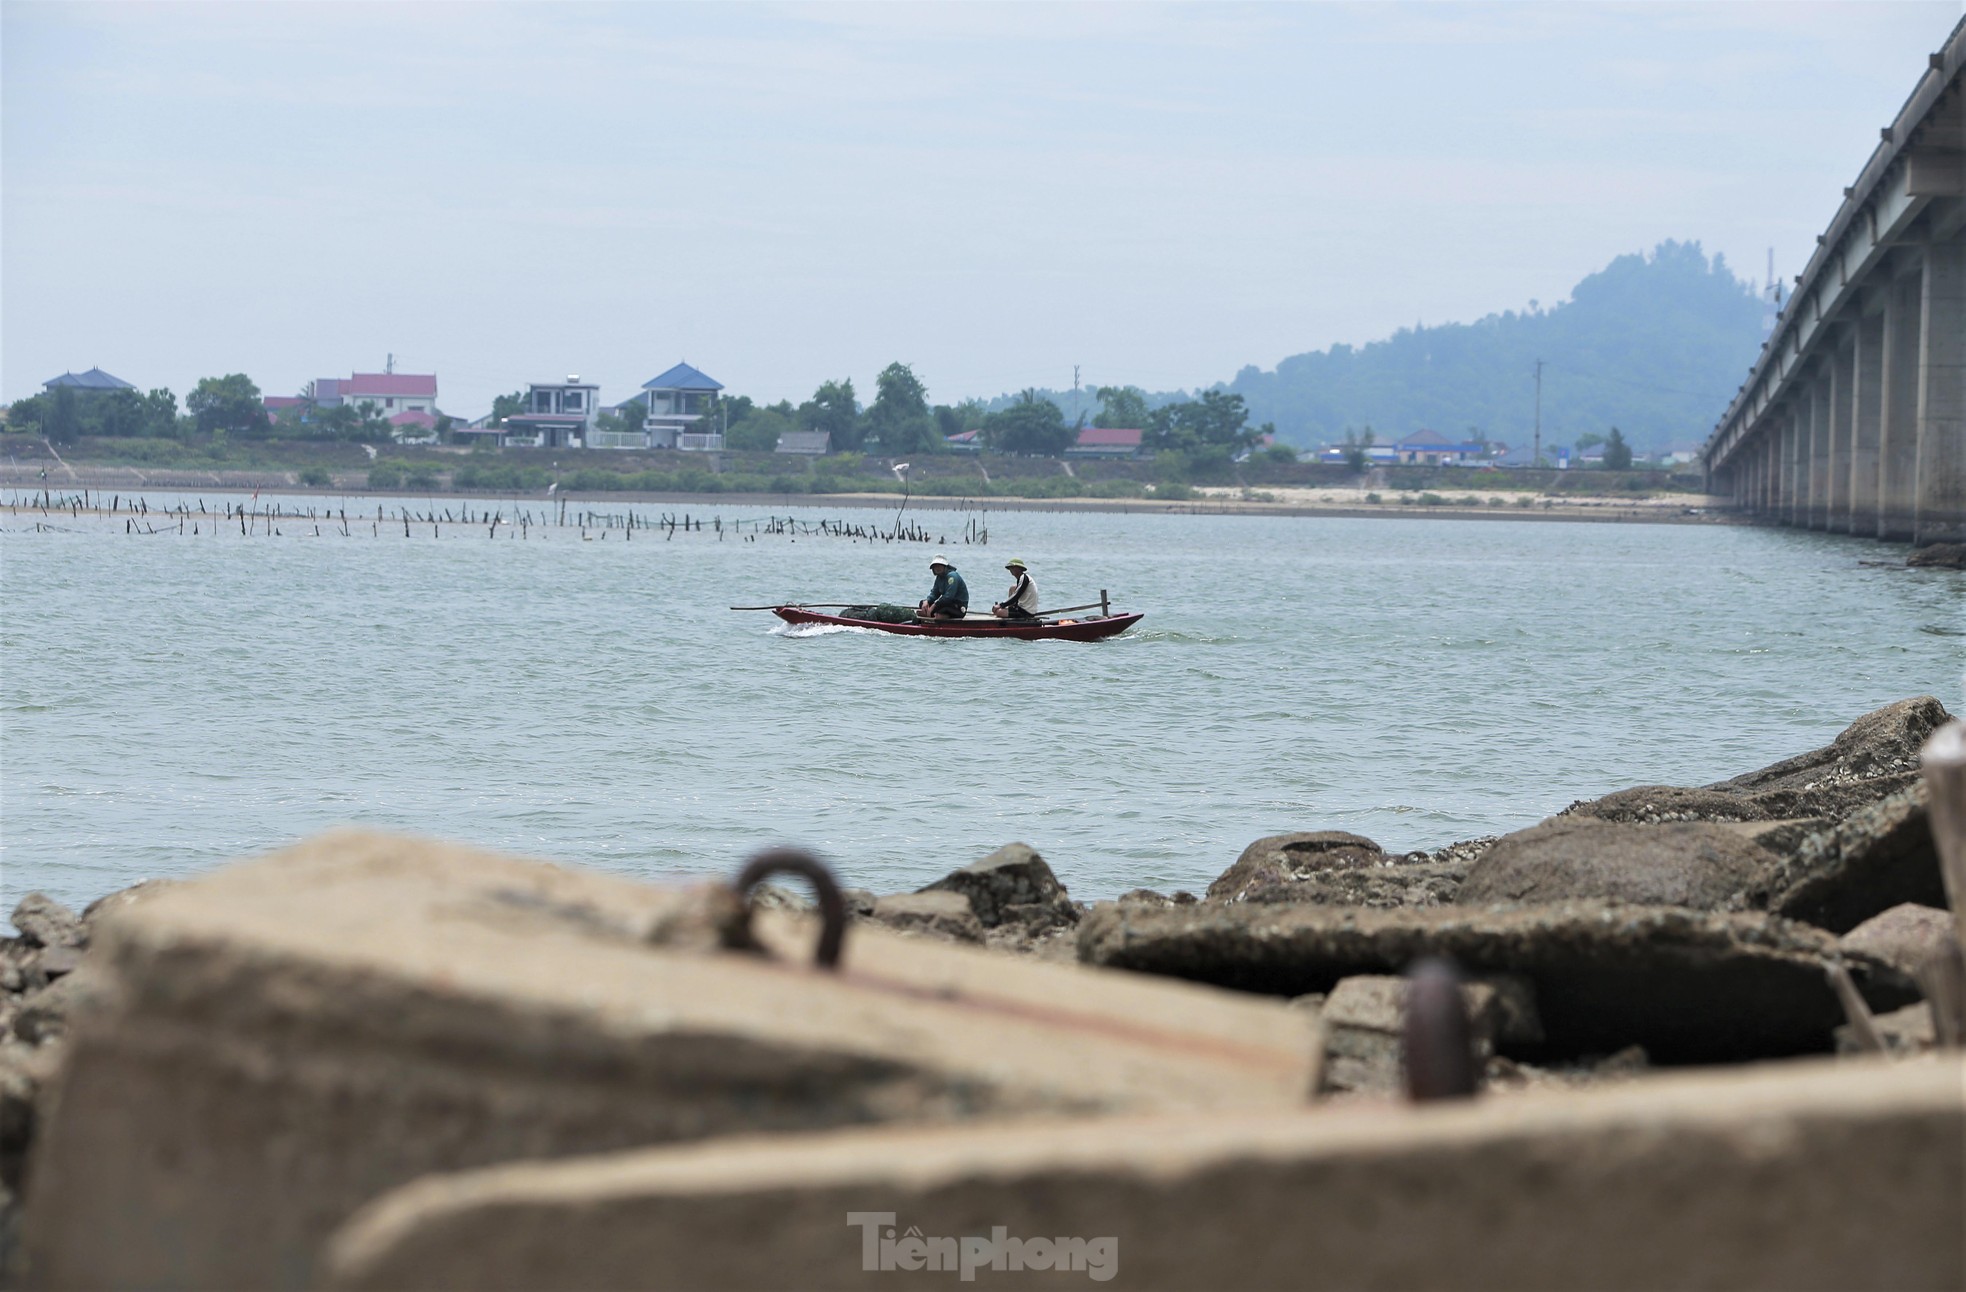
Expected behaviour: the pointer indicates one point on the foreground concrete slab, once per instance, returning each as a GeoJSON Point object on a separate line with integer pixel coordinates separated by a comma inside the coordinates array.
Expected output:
{"type": "Point", "coordinates": [291, 1037]}
{"type": "Point", "coordinates": [1689, 986]}
{"type": "Point", "coordinates": [1794, 1176]}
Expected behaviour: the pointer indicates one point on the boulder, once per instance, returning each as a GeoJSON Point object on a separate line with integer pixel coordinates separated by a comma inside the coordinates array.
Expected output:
{"type": "Point", "coordinates": [1689, 986]}
{"type": "Point", "coordinates": [1335, 868]}
{"type": "Point", "coordinates": [1903, 1031]}
{"type": "Point", "coordinates": [1011, 885]}
{"type": "Point", "coordinates": [1656, 804]}
{"type": "Point", "coordinates": [1875, 756]}
{"type": "Point", "coordinates": [1906, 936]}
{"type": "Point", "coordinates": [1881, 856]}
{"type": "Point", "coordinates": [1681, 863]}
{"type": "Point", "coordinates": [1939, 556]}
{"type": "Point", "coordinates": [944, 915]}
{"type": "Point", "coordinates": [44, 922]}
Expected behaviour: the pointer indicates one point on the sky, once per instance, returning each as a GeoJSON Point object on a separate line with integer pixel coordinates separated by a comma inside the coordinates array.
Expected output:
{"type": "Point", "coordinates": [1159, 194]}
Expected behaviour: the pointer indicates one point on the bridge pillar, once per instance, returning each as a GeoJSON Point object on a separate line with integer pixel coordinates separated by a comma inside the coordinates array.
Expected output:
{"type": "Point", "coordinates": [1795, 467]}
{"type": "Point", "coordinates": [1822, 400]}
{"type": "Point", "coordinates": [1839, 459]}
{"type": "Point", "coordinates": [1866, 406]}
{"type": "Point", "coordinates": [1941, 516]}
{"type": "Point", "coordinates": [1771, 469]}
{"type": "Point", "coordinates": [1897, 422]}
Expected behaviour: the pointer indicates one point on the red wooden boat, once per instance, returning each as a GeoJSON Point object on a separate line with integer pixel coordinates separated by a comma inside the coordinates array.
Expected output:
{"type": "Point", "coordinates": [1068, 630]}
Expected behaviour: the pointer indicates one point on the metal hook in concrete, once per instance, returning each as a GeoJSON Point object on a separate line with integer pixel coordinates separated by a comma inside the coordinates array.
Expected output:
{"type": "Point", "coordinates": [832, 906]}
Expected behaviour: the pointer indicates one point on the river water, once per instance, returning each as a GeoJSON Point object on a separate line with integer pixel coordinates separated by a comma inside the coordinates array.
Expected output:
{"type": "Point", "coordinates": [168, 702]}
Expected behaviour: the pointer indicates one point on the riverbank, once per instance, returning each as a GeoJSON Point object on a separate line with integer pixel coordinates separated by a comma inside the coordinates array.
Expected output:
{"type": "Point", "coordinates": [23, 494]}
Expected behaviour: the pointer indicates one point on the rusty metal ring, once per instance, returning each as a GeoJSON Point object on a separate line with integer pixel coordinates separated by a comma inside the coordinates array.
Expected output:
{"type": "Point", "coordinates": [832, 906]}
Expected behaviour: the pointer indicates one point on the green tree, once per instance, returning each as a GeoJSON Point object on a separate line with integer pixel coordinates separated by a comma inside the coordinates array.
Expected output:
{"type": "Point", "coordinates": [899, 416]}
{"type": "Point", "coordinates": [371, 426]}
{"type": "Point", "coordinates": [1032, 426]}
{"type": "Point", "coordinates": [1588, 440]}
{"type": "Point", "coordinates": [1124, 407]}
{"type": "Point", "coordinates": [1617, 453]}
{"type": "Point", "coordinates": [759, 432]}
{"type": "Point", "coordinates": [834, 409]}
{"type": "Point", "coordinates": [1216, 421]}
{"type": "Point", "coordinates": [230, 403]}
{"type": "Point", "coordinates": [27, 416]}
{"type": "Point", "coordinates": [160, 413]}
{"type": "Point", "coordinates": [62, 423]}
{"type": "Point", "coordinates": [505, 406]}
{"type": "Point", "coordinates": [1357, 445]}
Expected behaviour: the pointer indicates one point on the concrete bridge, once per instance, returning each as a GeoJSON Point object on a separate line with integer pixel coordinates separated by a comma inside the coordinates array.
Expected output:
{"type": "Point", "coordinates": [1854, 418]}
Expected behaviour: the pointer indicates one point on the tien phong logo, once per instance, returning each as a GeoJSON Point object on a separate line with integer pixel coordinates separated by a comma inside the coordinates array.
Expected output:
{"type": "Point", "coordinates": [884, 1247]}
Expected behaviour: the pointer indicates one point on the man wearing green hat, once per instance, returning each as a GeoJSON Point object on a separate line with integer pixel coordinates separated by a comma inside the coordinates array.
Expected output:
{"type": "Point", "coordinates": [1022, 602]}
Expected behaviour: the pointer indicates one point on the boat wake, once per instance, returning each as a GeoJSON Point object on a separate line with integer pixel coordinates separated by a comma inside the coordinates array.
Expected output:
{"type": "Point", "coordinates": [815, 630]}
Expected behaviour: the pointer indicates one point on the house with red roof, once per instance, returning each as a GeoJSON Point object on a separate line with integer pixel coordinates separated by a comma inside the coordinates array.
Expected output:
{"type": "Point", "coordinates": [390, 392]}
{"type": "Point", "coordinates": [1106, 442]}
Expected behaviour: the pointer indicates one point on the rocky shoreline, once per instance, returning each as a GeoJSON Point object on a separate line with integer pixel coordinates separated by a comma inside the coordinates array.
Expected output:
{"type": "Point", "coordinates": [1656, 925]}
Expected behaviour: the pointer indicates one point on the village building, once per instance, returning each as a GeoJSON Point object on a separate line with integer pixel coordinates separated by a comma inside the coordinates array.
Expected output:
{"type": "Point", "coordinates": [1432, 449]}
{"type": "Point", "coordinates": [92, 380]}
{"type": "Point", "coordinates": [1106, 442]}
{"type": "Point", "coordinates": [677, 402]}
{"type": "Point", "coordinates": [561, 415]}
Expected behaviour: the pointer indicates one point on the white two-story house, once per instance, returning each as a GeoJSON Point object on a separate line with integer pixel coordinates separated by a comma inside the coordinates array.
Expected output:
{"type": "Point", "coordinates": [558, 415]}
{"type": "Point", "coordinates": [677, 403]}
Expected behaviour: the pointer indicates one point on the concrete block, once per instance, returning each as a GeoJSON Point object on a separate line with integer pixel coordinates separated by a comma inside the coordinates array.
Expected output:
{"type": "Point", "coordinates": [1794, 1176]}
{"type": "Point", "coordinates": [288, 1038]}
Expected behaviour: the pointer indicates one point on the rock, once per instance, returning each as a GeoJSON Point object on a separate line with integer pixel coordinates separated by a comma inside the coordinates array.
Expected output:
{"type": "Point", "coordinates": [1783, 838]}
{"type": "Point", "coordinates": [1875, 756]}
{"type": "Point", "coordinates": [24, 1073]}
{"type": "Point", "coordinates": [1906, 936]}
{"type": "Point", "coordinates": [1940, 556]}
{"type": "Point", "coordinates": [44, 1015]}
{"type": "Point", "coordinates": [1656, 804]}
{"type": "Point", "coordinates": [945, 915]}
{"type": "Point", "coordinates": [1334, 868]}
{"type": "Point", "coordinates": [1682, 863]}
{"type": "Point", "coordinates": [44, 922]}
{"type": "Point", "coordinates": [1280, 860]}
{"type": "Point", "coordinates": [116, 901]}
{"type": "Point", "coordinates": [1011, 885]}
{"type": "Point", "coordinates": [1364, 1019]}
{"type": "Point", "coordinates": [859, 902]}
{"type": "Point", "coordinates": [57, 962]}
{"type": "Point", "coordinates": [1881, 856]}
{"type": "Point", "coordinates": [1689, 986]}
{"type": "Point", "coordinates": [1903, 1031]}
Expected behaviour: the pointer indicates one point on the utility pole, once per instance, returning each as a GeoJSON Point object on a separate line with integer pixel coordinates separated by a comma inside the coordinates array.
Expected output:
{"type": "Point", "coordinates": [389, 365]}
{"type": "Point", "coordinates": [1536, 456]}
{"type": "Point", "coordinates": [1075, 393]}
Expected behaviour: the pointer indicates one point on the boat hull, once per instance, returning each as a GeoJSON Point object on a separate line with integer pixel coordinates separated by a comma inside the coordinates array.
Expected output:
{"type": "Point", "coordinates": [1081, 630]}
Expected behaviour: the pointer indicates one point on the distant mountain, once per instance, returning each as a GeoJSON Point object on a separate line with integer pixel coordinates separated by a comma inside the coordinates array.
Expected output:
{"type": "Point", "coordinates": [1652, 344]}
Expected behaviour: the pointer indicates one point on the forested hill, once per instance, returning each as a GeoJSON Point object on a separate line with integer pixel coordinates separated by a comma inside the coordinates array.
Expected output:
{"type": "Point", "coordinates": [1654, 345]}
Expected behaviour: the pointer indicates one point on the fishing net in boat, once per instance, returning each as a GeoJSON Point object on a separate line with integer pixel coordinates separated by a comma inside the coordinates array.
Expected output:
{"type": "Point", "coordinates": [881, 614]}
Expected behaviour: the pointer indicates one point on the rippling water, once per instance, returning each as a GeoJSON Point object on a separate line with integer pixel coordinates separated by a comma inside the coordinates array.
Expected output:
{"type": "Point", "coordinates": [170, 702]}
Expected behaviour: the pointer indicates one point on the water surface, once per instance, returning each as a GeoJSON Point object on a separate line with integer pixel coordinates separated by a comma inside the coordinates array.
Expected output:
{"type": "Point", "coordinates": [169, 702]}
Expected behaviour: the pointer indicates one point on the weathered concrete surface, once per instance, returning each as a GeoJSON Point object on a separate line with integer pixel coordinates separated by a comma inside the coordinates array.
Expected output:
{"type": "Point", "coordinates": [1364, 1021]}
{"type": "Point", "coordinates": [1013, 885]}
{"type": "Point", "coordinates": [1880, 856]}
{"type": "Point", "coordinates": [290, 1037]}
{"type": "Point", "coordinates": [1796, 1176]}
{"type": "Point", "coordinates": [1686, 985]}
{"type": "Point", "coordinates": [1692, 864]}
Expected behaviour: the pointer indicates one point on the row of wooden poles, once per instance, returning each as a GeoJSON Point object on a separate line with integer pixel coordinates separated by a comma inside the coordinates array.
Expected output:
{"type": "Point", "coordinates": [255, 518]}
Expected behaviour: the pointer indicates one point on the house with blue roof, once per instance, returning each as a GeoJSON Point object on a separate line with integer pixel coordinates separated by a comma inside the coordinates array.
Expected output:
{"type": "Point", "coordinates": [93, 379]}
{"type": "Point", "coordinates": [678, 401]}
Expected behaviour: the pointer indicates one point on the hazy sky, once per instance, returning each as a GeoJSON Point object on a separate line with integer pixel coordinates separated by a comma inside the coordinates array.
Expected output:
{"type": "Point", "coordinates": [503, 193]}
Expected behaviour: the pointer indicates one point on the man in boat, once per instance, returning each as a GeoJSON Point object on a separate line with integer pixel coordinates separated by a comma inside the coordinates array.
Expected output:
{"type": "Point", "coordinates": [1022, 601]}
{"type": "Point", "coordinates": [949, 598]}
